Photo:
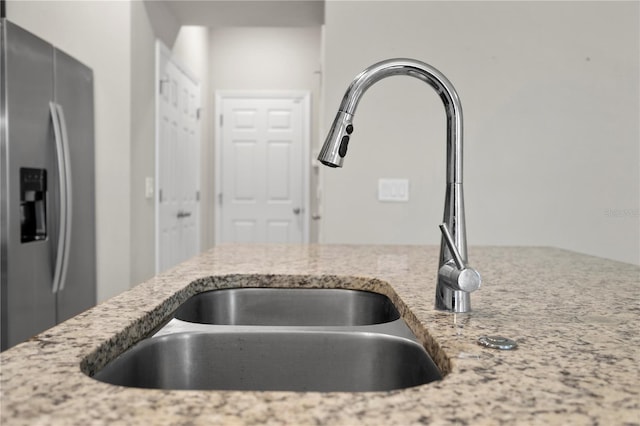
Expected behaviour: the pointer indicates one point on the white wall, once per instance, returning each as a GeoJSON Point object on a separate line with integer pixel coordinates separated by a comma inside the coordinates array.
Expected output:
{"type": "Point", "coordinates": [143, 88]}
{"type": "Point", "coordinates": [98, 34]}
{"type": "Point", "coordinates": [550, 96]}
{"type": "Point", "coordinates": [264, 58]}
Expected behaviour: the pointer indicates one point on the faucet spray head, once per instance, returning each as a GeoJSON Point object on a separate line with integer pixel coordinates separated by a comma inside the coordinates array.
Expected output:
{"type": "Point", "coordinates": [337, 142]}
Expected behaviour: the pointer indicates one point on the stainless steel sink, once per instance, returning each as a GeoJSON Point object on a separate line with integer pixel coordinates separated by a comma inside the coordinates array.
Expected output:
{"type": "Point", "coordinates": [278, 339]}
{"type": "Point", "coordinates": [285, 360]}
{"type": "Point", "coordinates": [288, 307]}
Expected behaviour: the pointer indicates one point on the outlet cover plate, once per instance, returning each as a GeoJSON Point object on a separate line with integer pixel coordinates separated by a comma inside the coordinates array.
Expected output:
{"type": "Point", "coordinates": [393, 190]}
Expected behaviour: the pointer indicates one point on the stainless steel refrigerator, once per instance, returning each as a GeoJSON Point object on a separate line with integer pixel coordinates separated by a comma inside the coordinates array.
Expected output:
{"type": "Point", "coordinates": [47, 212]}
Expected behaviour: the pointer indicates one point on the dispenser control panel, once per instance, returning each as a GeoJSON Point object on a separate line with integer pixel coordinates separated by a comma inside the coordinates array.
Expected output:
{"type": "Point", "coordinates": [33, 204]}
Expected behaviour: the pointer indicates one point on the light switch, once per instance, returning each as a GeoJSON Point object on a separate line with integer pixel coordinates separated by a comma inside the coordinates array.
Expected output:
{"type": "Point", "coordinates": [148, 187]}
{"type": "Point", "coordinates": [395, 190]}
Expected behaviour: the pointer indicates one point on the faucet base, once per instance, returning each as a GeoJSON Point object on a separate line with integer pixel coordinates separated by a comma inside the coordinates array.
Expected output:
{"type": "Point", "coordinates": [451, 300]}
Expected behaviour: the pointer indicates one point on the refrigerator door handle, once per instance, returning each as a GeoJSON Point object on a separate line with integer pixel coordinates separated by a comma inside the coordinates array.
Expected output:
{"type": "Point", "coordinates": [69, 197]}
{"type": "Point", "coordinates": [64, 176]}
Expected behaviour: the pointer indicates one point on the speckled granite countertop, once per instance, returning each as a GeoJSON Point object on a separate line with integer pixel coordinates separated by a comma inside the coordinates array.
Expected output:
{"type": "Point", "coordinates": [575, 318]}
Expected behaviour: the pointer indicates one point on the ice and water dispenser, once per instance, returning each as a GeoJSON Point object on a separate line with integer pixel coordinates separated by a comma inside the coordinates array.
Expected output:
{"type": "Point", "coordinates": [33, 204]}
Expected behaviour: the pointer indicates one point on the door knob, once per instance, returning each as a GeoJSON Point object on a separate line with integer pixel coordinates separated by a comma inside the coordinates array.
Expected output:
{"type": "Point", "coordinates": [297, 210]}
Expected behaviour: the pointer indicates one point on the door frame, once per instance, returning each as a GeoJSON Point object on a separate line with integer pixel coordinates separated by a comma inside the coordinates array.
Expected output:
{"type": "Point", "coordinates": [304, 97]}
{"type": "Point", "coordinates": [162, 49]}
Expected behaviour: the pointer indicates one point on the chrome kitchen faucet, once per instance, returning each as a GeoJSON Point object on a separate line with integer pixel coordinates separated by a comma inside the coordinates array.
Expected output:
{"type": "Point", "coordinates": [456, 280]}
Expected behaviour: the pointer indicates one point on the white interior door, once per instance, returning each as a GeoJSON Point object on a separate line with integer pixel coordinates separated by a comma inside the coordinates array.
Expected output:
{"type": "Point", "coordinates": [263, 169]}
{"type": "Point", "coordinates": [177, 165]}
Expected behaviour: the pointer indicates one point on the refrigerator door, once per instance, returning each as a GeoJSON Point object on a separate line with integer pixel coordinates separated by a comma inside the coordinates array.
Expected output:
{"type": "Point", "coordinates": [28, 303]}
{"type": "Point", "coordinates": [74, 94]}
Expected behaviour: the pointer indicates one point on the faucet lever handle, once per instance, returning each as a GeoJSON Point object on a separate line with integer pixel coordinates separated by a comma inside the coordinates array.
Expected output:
{"type": "Point", "coordinates": [457, 258]}
{"type": "Point", "coordinates": [460, 277]}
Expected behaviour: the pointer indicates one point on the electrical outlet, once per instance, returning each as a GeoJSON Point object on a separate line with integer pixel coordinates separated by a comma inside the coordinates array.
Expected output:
{"type": "Point", "coordinates": [395, 190]}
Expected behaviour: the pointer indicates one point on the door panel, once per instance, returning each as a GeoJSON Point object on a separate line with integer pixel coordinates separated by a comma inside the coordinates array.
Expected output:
{"type": "Point", "coordinates": [278, 231]}
{"type": "Point", "coordinates": [244, 231]}
{"type": "Point", "coordinates": [244, 186]}
{"type": "Point", "coordinates": [278, 172]}
{"type": "Point", "coordinates": [74, 92]}
{"type": "Point", "coordinates": [262, 170]}
{"type": "Point", "coordinates": [178, 175]}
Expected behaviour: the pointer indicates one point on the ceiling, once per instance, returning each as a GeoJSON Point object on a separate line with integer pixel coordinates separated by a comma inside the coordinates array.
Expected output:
{"type": "Point", "coordinates": [277, 13]}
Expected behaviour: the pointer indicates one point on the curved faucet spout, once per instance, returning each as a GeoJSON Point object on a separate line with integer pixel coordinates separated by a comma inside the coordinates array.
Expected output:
{"type": "Point", "coordinates": [455, 279]}
{"type": "Point", "coordinates": [342, 125]}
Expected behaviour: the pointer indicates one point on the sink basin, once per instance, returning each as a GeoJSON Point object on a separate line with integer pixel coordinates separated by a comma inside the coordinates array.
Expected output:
{"type": "Point", "coordinates": [288, 307]}
{"type": "Point", "coordinates": [277, 336]}
{"type": "Point", "coordinates": [273, 360]}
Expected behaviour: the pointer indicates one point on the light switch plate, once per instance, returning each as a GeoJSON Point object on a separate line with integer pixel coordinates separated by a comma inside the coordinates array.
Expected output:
{"type": "Point", "coordinates": [394, 190]}
{"type": "Point", "coordinates": [148, 187]}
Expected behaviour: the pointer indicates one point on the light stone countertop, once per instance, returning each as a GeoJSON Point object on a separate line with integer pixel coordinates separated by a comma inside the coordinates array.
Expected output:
{"type": "Point", "coordinates": [575, 318]}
